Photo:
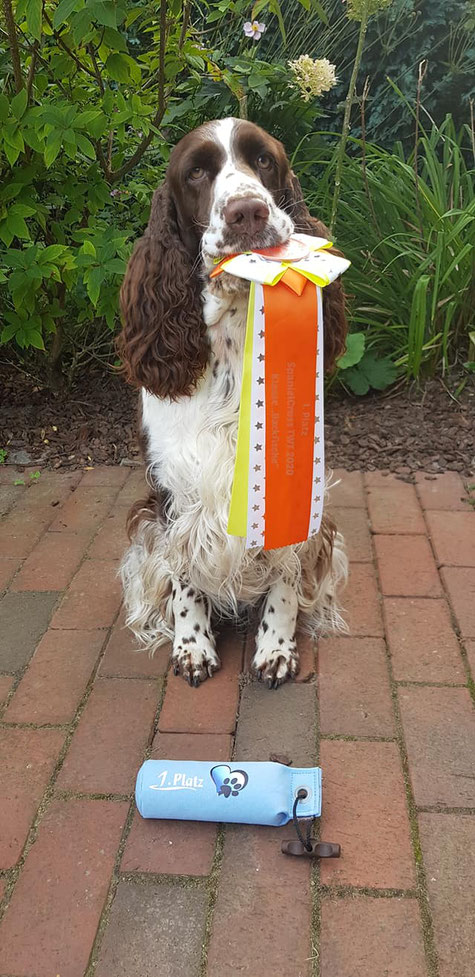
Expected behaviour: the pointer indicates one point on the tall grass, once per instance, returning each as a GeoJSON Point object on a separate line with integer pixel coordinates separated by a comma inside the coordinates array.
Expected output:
{"type": "Point", "coordinates": [408, 226]}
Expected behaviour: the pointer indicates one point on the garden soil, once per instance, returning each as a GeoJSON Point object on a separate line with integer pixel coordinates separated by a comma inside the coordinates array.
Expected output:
{"type": "Point", "coordinates": [95, 423]}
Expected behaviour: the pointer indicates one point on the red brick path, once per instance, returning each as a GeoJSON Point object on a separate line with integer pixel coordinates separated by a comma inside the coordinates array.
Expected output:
{"type": "Point", "coordinates": [90, 888]}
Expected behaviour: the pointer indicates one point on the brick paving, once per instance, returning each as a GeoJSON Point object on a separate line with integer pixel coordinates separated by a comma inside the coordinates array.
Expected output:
{"type": "Point", "coordinates": [89, 889]}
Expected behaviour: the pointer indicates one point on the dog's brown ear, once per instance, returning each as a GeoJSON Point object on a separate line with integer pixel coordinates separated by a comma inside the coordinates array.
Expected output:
{"type": "Point", "coordinates": [334, 317]}
{"type": "Point", "coordinates": [335, 326]}
{"type": "Point", "coordinates": [163, 344]}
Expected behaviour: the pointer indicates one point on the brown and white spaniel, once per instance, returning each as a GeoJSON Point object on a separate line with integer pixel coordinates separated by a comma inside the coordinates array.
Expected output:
{"type": "Point", "coordinates": [228, 188]}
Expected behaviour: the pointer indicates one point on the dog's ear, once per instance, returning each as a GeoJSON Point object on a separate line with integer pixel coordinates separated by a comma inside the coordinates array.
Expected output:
{"type": "Point", "coordinates": [334, 317]}
{"type": "Point", "coordinates": [163, 344]}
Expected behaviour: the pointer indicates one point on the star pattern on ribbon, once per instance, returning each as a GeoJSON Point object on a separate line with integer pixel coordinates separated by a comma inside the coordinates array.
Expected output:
{"type": "Point", "coordinates": [256, 487]}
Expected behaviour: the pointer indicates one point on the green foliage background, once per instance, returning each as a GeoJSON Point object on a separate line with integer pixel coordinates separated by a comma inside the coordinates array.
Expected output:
{"type": "Point", "coordinates": [93, 94]}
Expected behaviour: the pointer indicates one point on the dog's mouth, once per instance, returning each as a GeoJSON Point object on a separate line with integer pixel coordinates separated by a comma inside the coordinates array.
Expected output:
{"type": "Point", "coordinates": [268, 238]}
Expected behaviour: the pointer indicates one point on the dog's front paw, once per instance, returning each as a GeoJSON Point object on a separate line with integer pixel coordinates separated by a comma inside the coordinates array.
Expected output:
{"type": "Point", "coordinates": [275, 661]}
{"type": "Point", "coordinates": [196, 660]}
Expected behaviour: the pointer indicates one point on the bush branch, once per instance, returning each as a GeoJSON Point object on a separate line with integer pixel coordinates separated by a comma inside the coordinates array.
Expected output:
{"type": "Point", "coordinates": [97, 72]}
{"type": "Point", "coordinates": [32, 69]}
{"type": "Point", "coordinates": [65, 47]}
{"type": "Point", "coordinates": [13, 41]}
{"type": "Point", "coordinates": [116, 175]}
{"type": "Point", "coordinates": [184, 24]}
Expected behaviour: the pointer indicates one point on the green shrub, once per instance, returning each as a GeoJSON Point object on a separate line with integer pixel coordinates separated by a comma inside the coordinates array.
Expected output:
{"type": "Point", "coordinates": [94, 94]}
{"type": "Point", "coordinates": [411, 242]}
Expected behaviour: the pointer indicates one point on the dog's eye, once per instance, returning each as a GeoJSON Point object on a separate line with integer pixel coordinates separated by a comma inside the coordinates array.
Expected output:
{"type": "Point", "coordinates": [196, 173]}
{"type": "Point", "coordinates": [264, 161]}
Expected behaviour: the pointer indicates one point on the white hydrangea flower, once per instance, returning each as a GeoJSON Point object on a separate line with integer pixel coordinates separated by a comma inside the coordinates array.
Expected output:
{"type": "Point", "coordinates": [313, 77]}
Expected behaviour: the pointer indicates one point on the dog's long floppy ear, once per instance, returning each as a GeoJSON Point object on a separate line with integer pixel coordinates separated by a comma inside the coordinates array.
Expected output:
{"type": "Point", "coordinates": [163, 344]}
{"type": "Point", "coordinates": [334, 317]}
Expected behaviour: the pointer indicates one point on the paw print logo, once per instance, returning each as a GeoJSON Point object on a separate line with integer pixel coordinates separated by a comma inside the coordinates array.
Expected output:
{"type": "Point", "coordinates": [228, 782]}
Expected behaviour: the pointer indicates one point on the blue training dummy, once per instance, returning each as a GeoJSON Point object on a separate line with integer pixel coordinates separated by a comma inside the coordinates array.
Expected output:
{"type": "Point", "coordinates": [240, 793]}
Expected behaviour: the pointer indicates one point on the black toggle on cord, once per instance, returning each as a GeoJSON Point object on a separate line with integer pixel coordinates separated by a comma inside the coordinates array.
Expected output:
{"type": "Point", "coordinates": [308, 846]}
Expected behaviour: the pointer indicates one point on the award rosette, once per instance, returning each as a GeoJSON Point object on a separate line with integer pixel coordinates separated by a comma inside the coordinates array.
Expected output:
{"type": "Point", "coordinates": [278, 486]}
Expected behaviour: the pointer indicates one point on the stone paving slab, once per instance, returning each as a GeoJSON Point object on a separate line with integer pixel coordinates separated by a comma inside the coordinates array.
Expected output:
{"type": "Point", "coordinates": [88, 889]}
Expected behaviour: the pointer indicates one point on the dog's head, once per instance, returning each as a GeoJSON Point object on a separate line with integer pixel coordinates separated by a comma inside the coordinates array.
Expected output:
{"type": "Point", "coordinates": [232, 188]}
{"type": "Point", "coordinates": [228, 188]}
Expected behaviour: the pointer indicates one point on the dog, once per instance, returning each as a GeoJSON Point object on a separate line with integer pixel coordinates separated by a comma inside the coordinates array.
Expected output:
{"type": "Point", "coordinates": [228, 188]}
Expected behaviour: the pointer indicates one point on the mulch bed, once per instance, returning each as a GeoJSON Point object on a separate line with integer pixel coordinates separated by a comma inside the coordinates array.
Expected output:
{"type": "Point", "coordinates": [94, 423]}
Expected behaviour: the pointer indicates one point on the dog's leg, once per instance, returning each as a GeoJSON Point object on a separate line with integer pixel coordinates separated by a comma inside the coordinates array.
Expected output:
{"type": "Point", "coordinates": [276, 657]}
{"type": "Point", "coordinates": [194, 652]}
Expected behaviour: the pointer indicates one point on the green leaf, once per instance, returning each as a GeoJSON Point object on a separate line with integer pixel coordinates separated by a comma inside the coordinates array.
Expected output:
{"type": "Point", "coordinates": [64, 9]}
{"type": "Point", "coordinates": [23, 210]}
{"type": "Point", "coordinates": [34, 16]}
{"type": "Point", "coordinates": [81, 26]}
{"type": "Point", "coordinates": [8, 332]}
{"type": "Point", "coordinates": [84, 119]}
{"type": "Point", "coordinates": [121, 67]}
{"type": "Point", "coordinates": [274, 7]}
{"type": "Point", "coordinates": [11, 153]}
{"type": "Point", "coordinates": [94, 282]}
{"type": "Point", "coordinates": [17, 226]}
{"type": "Point", "coordinates": [318, 8]}
{"type": "Point", "coordinates": [33, 140]}
{"type": "Point", "coordinates": [117, 66]}
{"type": "Point", "coordinates": [356, 381]}
{"type": "Point", "coordinates": [13, 137]}
{"type": "Point", "coordinates": [355, 345]}
{"type": "Point", "coordinates": [86, 146]}
{"type": "Point", "coordinates": [19, 104]}
{"type": "Point", "coordinates": [104, 13]}
{"type": "Point", "coordinates": [51, 253]}
{"type": "Point", "coordinates": [35, 339]}
{"type": "Point", "coordinates": [116, 266]}
{"type": "Point", "coordinates": [52, 148]}
{"type": "Point", "coordinates": [114, 39]}
{"type": "Point", "coordinates": [92, 121]}
{"type": "Point", "coordinates": [4, 108]}
{"type": "Point", "coordinates": [70, 147]}
{"type": "Point", "coordinates": [88, 248]}
{"type": "Point", "coordinates": [380, 373]}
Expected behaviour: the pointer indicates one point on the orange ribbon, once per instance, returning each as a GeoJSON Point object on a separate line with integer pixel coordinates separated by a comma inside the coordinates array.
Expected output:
{"type": "Point", "coordinates": [291, 354]}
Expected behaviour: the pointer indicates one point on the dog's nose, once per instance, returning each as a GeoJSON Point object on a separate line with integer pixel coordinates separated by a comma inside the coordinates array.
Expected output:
{"type": "Point", "coordinates": [248, 214]}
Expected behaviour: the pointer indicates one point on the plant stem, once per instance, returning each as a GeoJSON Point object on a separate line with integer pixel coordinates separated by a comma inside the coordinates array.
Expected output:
{"type": "Point", "coordinates": [346, 118]}
{"type": "Point", "coordinates": [472, 128]}
{"type": "Point", "coordinates": [363, 159]}
{"type": "Point", "coordinates": [242, 102]}
{"type": "Point", "coordinates": [422, 71]}
{"type": "Point", "coordinates": [56, 377]}
{"type": "Point", "coordinates": [13, 41]}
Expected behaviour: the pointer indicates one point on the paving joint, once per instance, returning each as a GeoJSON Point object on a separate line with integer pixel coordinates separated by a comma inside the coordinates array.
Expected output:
{"type": "Point", "coordinates": [422, 889]}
